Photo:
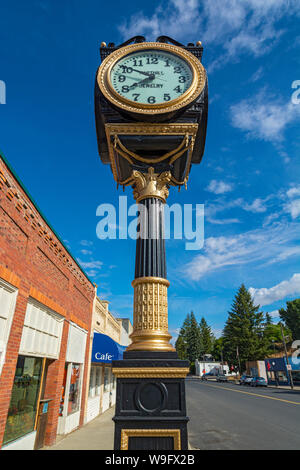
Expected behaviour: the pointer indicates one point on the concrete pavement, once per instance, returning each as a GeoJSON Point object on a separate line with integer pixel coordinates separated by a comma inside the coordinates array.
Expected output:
{"type": "Point", "coordinates": [95, 435]}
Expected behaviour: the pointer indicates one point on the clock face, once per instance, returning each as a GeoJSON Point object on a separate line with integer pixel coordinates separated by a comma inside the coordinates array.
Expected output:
{"type": "Point", "coordinates": [151, 77]}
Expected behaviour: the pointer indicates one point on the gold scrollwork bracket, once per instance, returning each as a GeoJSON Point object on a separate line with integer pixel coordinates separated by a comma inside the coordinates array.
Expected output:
{"type": "Point", "coordinates": [118, 149]}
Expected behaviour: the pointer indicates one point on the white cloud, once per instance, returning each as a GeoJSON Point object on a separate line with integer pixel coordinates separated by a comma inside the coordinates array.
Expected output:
{"type": "Point", "coordinates": [293, 208]}
{"type": "Point", "coordinates": [86, 252]}
{"type": "Point", "coordinates": [263, 116]}
{"type": "Point", "coordinates": [91, 267]}
{"type": "Point", "coordinates": [257, 75]}
{"type": "Point", "coordinates": [274, 314]}
{"type": "Point", "coordinates": [294, 191]}
{"type": "Point", "coordinates": [219, 187]}
{"type": "Point", "coordinates": [256, 206]}
{"type": "Point", "coordinates": [223, 221]}
{"type": "Point", "coordinates": [86, 243]}
{"type": "Point", "coordinates": [266, 296]}
{"type": "Point", "coordinates": [237, 27]}
{"type": "Point", "coordinates": [263, 245]}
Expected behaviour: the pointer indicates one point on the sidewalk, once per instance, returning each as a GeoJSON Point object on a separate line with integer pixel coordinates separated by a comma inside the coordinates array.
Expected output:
{"type": "Point", "coordinates": [95, 435]}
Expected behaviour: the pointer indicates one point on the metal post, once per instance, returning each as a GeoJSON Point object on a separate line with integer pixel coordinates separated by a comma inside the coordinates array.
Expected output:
{"type": "Point", "coordinates": [286, 356]}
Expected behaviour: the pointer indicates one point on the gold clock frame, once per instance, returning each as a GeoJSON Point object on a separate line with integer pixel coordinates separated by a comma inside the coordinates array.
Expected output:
{"type": "Point", "coordinates": [190, 95]}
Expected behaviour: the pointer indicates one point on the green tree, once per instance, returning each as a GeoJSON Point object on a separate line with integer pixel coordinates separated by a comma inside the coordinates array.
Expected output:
{"type": "Point", "coordinates": [206, 338]}
{"type": "Point", "coordinates": [181, 343]}
{"type": "Point", "coordinates": [193, 340]}
{"type": "Point", "coordinates": [291, 317]}
{"type": "Point", "coordinates": [243, 331]}
{"type": "Point", "coordinates": [217, 350]}
{"type": "Point", "coordinates": [273, 337]}
{"type": "Point", "coordinates": [180, 347]}
{"type": "Point", "coordinates": [268, 319]}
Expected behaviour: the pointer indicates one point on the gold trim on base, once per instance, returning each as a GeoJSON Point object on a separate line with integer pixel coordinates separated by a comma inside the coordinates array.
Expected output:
{"type": "Point", "coordinates": [127, 433]}
{"type": "Point", "coordinates": [151, 372]}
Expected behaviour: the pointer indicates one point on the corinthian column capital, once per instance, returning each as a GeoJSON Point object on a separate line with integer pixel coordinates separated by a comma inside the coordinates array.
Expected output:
{"type": "Point", "coordinates": [150, 184]}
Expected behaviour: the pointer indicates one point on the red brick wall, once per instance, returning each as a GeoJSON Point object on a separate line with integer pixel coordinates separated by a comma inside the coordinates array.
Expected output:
{"type": "Point", "coordinates": [34, 260]}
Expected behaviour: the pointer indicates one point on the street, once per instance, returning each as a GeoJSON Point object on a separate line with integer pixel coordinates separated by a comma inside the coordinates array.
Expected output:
{"type": "Point", "coordinates": [233, 417]}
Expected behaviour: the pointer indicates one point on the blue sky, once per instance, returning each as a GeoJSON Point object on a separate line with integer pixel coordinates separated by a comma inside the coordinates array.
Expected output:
{"type": "Point", "coordinates": [249, 176]}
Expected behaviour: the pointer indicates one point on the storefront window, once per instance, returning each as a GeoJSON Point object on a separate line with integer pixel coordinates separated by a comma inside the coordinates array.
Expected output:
{"type": "Point", "coordinates": [24, 397]}
{"type": "Point", "coordinates": [74, 393]}
{"type": "Point", "coordinates": [63, 392]}
{"type": "Point", "coordinates": [98, 380]}
{"type": "Point", "coordinates": [106, 379]}
{"type": "Point", "coordinates": [92, 383]}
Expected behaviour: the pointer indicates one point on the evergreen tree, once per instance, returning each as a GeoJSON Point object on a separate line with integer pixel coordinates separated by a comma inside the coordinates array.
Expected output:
{"type": "Point", "coordinates": [273, 338]}
{"type": "Point", "coordinates": [193, 340]}
{"type": "Point", "coordinates": [180, 347]}
{"type": "Point", "coordinates": [268, 319]}
{"type": "Point", "coordinates": [206, 338]}
{"type": "Point", "coordinates": [291, 317]}
{"type": "Point", "coordinates": [243, 331]}
{"type": "Point", "coordinates": [217, 350]}
{"type": "Point", "coordinates": [181, 343]}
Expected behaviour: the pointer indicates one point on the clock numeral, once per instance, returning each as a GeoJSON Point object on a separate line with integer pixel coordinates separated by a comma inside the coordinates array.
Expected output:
{"type": "Point", "coordinates": [167, 97]}
{"type": "Point", "coordinates": [126, 69]}
{"type": "Point", "coordinates": [152, 60]}
{"type": "Point", "coordinates": [182, 79]}
{"type": "Point", "coordinates": [167, 63]}
{"type": "Point", "coordinates": [151, 99]}
{"type": "Point", "coordinates": [125, 89]}
{"type": "Point", "coordinates": [137, 63]}
{"type": "Point", "coordinates": [178, 89]}
{"type": "Point", "coordinates": [136, 95]}
{"type": "Point", "coordinates": [122, 78]}
{"type": "Point", "coordinates": [177, 69]}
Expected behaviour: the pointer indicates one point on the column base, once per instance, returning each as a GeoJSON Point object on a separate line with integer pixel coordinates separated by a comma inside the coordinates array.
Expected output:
{"type": "Point", "coordinates": [150, 403]}
{"type": "Point", "coordinates": [145, 340]}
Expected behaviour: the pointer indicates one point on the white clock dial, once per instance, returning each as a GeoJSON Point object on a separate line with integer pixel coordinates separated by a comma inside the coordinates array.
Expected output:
{"type": "Point", "coordinates": [151, 77]}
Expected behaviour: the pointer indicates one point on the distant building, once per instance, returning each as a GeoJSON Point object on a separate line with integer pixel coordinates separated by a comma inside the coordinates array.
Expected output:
{"type": "Point", "coordinates": [108, 341]}
{"type": "Point", "coordinates": [212, 367]}
{"type": "Point", "coordinates": [46, 307]}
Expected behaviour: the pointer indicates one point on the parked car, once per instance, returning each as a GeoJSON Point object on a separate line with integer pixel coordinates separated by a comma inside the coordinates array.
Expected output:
{"type": "Point", "coordinates": [222, 378]}
{"type": "Point", "coordinates": [258, 382]}
{"type": "Point", "coordinates": [245, 379]}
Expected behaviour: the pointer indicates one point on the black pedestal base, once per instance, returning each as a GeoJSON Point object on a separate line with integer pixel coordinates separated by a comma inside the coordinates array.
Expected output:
{"type": "Point", "coordinates": [150, 403]}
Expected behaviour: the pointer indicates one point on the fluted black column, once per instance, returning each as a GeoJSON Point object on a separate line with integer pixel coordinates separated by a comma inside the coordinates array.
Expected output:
{"type": "Point", "coordinates": [150, 245]}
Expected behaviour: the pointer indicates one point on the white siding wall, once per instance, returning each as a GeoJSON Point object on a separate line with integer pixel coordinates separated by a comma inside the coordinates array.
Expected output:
{"type": "Point", "coordinates": [93, 408]}
{"type": "Point", "coordinates": [8, 295]}
{"type": "Point", "coordinates": [76, 344]}
{"type": "Point", "coordinates": [42, 331]}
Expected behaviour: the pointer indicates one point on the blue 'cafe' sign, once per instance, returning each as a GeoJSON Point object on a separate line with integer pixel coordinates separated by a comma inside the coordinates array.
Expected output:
{"type": "Point", "coordinates": [106, 349]}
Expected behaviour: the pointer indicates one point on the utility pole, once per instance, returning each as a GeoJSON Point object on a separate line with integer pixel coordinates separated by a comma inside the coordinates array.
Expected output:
{"type": "Point", "coordinates": [222, 361]}
{"type": "Point", "coordinates": [286, 357]}
{"type": "Point", "coordinates": [238, 356]}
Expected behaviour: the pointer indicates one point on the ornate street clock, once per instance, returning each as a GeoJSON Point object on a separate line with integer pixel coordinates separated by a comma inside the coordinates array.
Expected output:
{"type": "Point", "coordinates": [151, 102]}
{"type": "Point", "coordinates": [151, 81]}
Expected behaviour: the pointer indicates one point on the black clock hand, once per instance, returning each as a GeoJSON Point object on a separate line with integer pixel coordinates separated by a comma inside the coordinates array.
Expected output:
{"type": "Point", "coordinates": [151, 77]}
{"type": "Point", "coordinates": [139, 71]}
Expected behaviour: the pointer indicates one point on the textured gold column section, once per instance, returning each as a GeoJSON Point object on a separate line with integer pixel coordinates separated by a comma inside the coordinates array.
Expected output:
{"type": "Point", "coordinates": [150, 315]}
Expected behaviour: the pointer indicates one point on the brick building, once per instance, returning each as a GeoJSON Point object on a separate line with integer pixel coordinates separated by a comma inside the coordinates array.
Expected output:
{"type": "Point", "coordinates": [46, 305]}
